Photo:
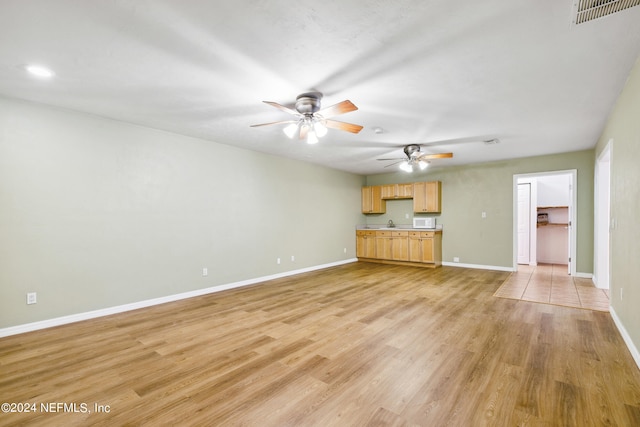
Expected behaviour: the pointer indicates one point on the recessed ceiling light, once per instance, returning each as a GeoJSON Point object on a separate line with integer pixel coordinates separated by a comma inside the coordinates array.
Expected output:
{"type": "Point", "coordinates": [39, 71]}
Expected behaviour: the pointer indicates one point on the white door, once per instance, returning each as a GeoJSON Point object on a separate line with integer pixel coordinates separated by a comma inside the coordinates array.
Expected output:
{"type": "Point", "coordinates": [524, 223]}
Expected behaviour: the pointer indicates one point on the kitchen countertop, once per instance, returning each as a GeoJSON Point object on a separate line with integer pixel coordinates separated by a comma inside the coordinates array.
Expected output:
{"type": "Point", "coordinates": [396, 228]}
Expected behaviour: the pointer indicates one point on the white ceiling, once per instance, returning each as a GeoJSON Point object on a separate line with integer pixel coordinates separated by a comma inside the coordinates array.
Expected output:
{"type": "Point", "coordinates": [423, 71]}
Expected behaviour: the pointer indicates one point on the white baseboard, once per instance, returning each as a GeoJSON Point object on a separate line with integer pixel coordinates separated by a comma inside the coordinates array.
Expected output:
{"type": "Point", "coordinates": [43, 324]}
{"type": "Point", "coordinates": [625, 336]}
{"type": "Point", "coordinates": [584, 275]}
{"type": "Point", "coordinates": [477, 266]}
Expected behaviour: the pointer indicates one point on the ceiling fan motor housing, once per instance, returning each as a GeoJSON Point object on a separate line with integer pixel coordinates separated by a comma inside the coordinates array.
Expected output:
{"type": "Point", "coordinates": [308, 103]}
{"type": "Point", "coordinates": [412, 150]}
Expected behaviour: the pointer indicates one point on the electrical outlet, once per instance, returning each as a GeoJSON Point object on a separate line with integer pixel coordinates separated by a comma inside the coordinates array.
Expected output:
{"type": "Point", "coordinates": [456, 259]}
{"type": "Point", "coordinates": [293, 258]}
{"type": "Point", "coordinates": [406, 216]}
{"type": "Point", "coordinates": [278, 261]}
{"type": "Point", "coordinates": [31, 298]}
{"type": "Point", "coordinates": [205, 271]}
{"type": "Point", "coordinates": [345, 250]}
{"type": "Point", "coordinates": [484, 214]}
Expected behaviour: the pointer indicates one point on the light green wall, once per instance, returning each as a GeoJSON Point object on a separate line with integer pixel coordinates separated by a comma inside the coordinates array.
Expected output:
{"type": "Point", "coordinates": [467, 191]}
{"type": "Point", "coordinates": [623, 127]}
{"type": "Point", "coordinates": [98, 213]}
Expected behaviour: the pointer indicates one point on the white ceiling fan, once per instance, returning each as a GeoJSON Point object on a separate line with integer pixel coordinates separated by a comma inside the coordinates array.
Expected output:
{"type": "Point", "coordinates": [312, 122]}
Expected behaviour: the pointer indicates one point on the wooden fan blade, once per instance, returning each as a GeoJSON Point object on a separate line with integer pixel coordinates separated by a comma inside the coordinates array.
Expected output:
{"type": "Point", "coordinates": [340, 108]}
{"type": "Point", "coordinates": [275, 123]}
{"type": "Point", "coordinates": [349, 127]}
{"type": "Point", "coordinates": [435, 156]}
{"type": "Point", "coordinates": [282, 107]}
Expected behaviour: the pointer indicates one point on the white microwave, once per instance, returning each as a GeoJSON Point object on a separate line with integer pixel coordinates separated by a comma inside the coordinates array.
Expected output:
{"type": "Point", "coordinates": [424, 222]}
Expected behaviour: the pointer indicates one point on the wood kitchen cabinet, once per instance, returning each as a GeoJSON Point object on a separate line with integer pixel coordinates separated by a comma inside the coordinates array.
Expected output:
{"type": "Point", "coordinates": [365, 244]}
{"type": "Point", "coordinates": [408, 247]}
{"type": "Point", "coordinates": [372, 201]}
{"type": "Point", "coordinates": [392, 245]}
{"type": "Point", "coordinates": [397, 191]}
{"type": "Point", "coordinates": [427, 197]}
{"type": "Point", "coordinates": [425, 247]}
{"type": "Point", "coordinates": [383, 244]}
{"type": "Point", "coordinates": [400, 245]}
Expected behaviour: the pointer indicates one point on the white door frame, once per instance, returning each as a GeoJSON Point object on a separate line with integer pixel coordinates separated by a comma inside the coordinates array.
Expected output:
{"type": "Point", "coordinates": [602, 219]}
{"type": "Point", "coordinates": [572, 213]}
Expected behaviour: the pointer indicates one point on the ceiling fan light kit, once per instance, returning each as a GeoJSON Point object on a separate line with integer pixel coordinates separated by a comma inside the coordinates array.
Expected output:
{"type": "Point", "coordinates": [320, 129]}
{"type": "Point", "coordinates": [312, 138]}
{"type": "Point", "coordinates": [291, 130]}
{"type": "Point", "coordinates": [313, 129]}
{"type": "Point", "coordinates": [408, 165]}
{"type": "Point", "coordinates": [312, 123]}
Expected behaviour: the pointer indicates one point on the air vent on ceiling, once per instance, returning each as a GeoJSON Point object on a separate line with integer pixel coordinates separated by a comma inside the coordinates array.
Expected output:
{"type": "Point", "coordinates": [588, 10]}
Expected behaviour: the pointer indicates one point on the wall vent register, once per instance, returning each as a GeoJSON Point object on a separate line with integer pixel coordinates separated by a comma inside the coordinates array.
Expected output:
{"type": "Point", "coordinates": [588, 10]}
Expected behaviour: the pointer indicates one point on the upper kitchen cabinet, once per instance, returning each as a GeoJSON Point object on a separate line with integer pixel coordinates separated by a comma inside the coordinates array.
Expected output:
{"type": "Point", "coordinates": [397, 191]}
{"type": "Point", "coordinates": [372, 201]}
{"type": "Point", "coordinates": [427, 197]}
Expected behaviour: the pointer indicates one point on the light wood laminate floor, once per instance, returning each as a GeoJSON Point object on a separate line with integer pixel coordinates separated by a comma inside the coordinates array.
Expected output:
{"type": "Point", "coordinates": [356, 345]}
{"type": "Point", "coordinates": [551, 284]}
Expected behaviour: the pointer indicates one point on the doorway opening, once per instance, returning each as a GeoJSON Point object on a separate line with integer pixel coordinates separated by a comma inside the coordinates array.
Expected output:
{"type": "Point", "coordinates": [545, 219]}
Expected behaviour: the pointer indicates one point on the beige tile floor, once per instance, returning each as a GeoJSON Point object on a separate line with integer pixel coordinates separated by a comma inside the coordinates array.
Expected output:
{"type": "Point", "coordinates": [550, 284]}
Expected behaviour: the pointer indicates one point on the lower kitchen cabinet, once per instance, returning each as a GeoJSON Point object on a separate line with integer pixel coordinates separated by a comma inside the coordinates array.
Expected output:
{"type": "Point", "coordinates": [411, 247]}
{"type": "Point", "coordinates": [392, 245]}
{"type": "Point", "coordinates": [383, 245]}
{"type": "Point", "coordinates": [425, 246]}
{"type": "Point", "coordinates": [365, 244]}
